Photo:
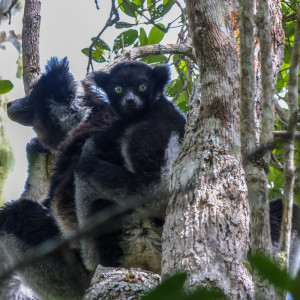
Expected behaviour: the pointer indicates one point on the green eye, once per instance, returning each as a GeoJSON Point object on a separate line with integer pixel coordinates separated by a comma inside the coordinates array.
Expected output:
{"type": "Point", "coordinates": [143, 87]}
{"type": "Point", "coordinates": [118, 89]}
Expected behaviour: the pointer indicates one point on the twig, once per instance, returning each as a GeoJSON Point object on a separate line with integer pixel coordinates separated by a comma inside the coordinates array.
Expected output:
{"type": "Point", "coordinates": [165, 30]}
{"type": "Point", "coordinates": [8, 12]}
{"type": "Point", "coordinates": [113, 18]}
{"type": "Point", "coordinates": [57, 244]}
{"type": "Point", "coordinates": [97, 6]}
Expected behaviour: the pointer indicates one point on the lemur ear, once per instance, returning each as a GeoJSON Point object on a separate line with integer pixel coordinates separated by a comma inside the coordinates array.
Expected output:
{"type": "Point", "coordinates": [101, 79]}
{"type": "Point", "coordinates": [161, 75]}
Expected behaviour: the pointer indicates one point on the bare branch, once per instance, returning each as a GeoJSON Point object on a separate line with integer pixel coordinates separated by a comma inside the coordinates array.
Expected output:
{"type": "Point", "coordinates": [149, 50]}
{"type": "Point", "coordinates": [8, 11]}
{"type": "Point", "coordinates": [97, 6]}
{"type": "Point", "coordinates": [48, 247]}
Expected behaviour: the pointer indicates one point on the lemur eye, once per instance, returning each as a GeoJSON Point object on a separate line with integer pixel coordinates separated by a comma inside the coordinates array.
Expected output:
{"type": "Point", "coordinates": [143, 87]}
{"type": "Point", "coordinates": [118, 89]}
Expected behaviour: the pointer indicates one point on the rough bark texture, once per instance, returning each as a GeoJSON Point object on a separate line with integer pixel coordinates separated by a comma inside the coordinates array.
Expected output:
{"type": "Point", "coordinates": [120, 284]}
{"type": "Point", "coordinates": [207, 225]}
{"type": "Point", "coordinates": [30, 42]}
{"type": "Point", "coordinates": [255, 172]}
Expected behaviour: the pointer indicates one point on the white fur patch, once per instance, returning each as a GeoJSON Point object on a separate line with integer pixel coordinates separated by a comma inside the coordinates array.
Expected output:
{"type": "Point", "coordinates": [125, 152]}
{"type": "Point", "coordinates": [171, 153]}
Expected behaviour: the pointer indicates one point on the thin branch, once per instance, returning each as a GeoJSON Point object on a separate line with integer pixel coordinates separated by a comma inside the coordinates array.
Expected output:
{"type": "Point", "coordinates": [288, 172]}
{"type": "Point", "coordinates": [165, 30]}
{"type": "Point", "coordinates": [97, 6]}
{"type": "Point", "coordinates": [113, 18]}
{"type": "Point", "coordinates": [53, 245]}
{"type": "Point", "coordinates": [8, 12]}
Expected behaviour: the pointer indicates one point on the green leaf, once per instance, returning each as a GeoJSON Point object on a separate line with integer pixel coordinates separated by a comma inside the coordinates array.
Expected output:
{"type": "Point", "coordinates": [170, 289]}
{"type": "Point", "coordinates": [100, 44]}
{"type": "Point", "coordinates": [183, 102]}
{"type": "Point", "coordinates": [138, 2]}
{"type": "Point", "coordinates": [120, 25]}
{"type": "Point", "coordinates": [270, 271]}
{"type": "Point", "coordinates": [154, 59]}
{"type": "Point", "coordinates": [207, 294]}
{"type": "Point", "coordinates": [5, 86]}
{"type": "Point", "coordinates": [143, 37]}
{"type": "Point", "coordinates": [150, 3]}
{"type": "Point", "coordinates": [296, 287]}
{"type": "Point", "coordinates": [96, 55]}
{"type": "Point", "coordinates": [127, 9]}
{"type": "Point", "coordinates": [161, 10]}
{"type": "Point", "coordinates": [127, 37]}
{"type": "Point", "coordinates": [156, 35]}
{"type": "Point", "coordinates": [174, 87]}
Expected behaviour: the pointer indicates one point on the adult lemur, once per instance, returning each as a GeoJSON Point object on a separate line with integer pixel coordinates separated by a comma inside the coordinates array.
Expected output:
{"type": "Point", "coordinates": [125, 164]}
{"type": "Point", "coordinates": [55, 106]}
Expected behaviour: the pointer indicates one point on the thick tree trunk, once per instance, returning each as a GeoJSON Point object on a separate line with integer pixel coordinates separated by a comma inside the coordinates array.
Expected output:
{"type": "Point", "coordinates": [207, 224]}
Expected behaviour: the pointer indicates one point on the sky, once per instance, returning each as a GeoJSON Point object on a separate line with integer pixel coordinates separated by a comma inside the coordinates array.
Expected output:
{"type": "Point", "coordinates": [67, 27]}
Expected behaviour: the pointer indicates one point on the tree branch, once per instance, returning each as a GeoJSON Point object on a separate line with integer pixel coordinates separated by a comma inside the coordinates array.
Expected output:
{"type": "Point", "coordinates": [149, 50]}
{"type": "Point", "coordinates": [8, 11]}
{"type": "Point", "coordinates": [51, 246]}
{"type": "Point", "coordinates": [113, 18]}
{"type": "Point", "coordinates": [289, 172]}
{"type": "Point", "coordinates": [30, 42]}
{"type": "Point", "coordinates": [254, 168]}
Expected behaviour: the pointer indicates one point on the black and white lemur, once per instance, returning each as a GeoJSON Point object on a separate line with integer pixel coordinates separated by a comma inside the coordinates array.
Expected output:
{"type": "Point", "coordinates": [55, 106]}
{"type": "Point", "coordinates": [115, 162]}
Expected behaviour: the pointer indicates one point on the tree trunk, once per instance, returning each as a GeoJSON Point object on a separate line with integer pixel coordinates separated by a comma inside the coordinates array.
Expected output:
{"type": "Point", "coordinates": [207, 225]}
{"type": "Point", "coordinates": [30, 42]}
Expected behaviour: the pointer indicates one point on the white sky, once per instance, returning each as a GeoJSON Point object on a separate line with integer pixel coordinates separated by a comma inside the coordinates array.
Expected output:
{"type": "Point", "coordinates": [67, 27]}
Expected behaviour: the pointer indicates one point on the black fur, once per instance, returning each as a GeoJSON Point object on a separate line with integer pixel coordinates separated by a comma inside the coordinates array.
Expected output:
{"type": "Point", "coordinates": [127, 164]}
{"type": "Point", "coordinates": [54, 108]}
{"type": "Point", "coordinates": [25, 224]}
{"type": "Point", "coordinates": [275, 225]}
{"type": "Point", "coordinates": [54, 105]}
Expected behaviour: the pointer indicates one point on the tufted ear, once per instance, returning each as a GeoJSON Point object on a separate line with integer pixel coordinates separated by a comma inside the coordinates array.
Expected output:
{"type": "Point", "coordinates": [101, 79]}
{"type": "Point", "coordinates": [57, 81]}
{"type": "Point", "coordinates": [161, 75]}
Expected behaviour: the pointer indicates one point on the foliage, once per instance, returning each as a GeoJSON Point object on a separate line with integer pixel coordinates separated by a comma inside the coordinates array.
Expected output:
{"type": "Point", "coordinates": [270, 271]}
{"type": "Point", "coordinates": [144, 23]}
{"type": "Point", "coordinates": [172, 288]}
{"type": "Point", "coordinates": [289, 14]}
{"type": "Point", "coordinates": [5, 86]}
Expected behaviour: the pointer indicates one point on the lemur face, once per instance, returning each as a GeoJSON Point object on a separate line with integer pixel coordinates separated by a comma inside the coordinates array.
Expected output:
{"type": "Point", "coordinates": [133, 87]}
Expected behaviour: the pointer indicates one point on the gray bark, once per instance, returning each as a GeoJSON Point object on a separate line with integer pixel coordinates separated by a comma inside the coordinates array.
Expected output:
{"type": "Point", "coordinates": [207, 225]}
{"type": "Point", "coordinates": [121, 284]}
{"type": "Point", "coordinates": [30, 42]}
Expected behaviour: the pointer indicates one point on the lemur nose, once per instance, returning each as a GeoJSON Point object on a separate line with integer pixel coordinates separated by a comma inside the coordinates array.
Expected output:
{"type": "Point", "coordinates": [130, 101]}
